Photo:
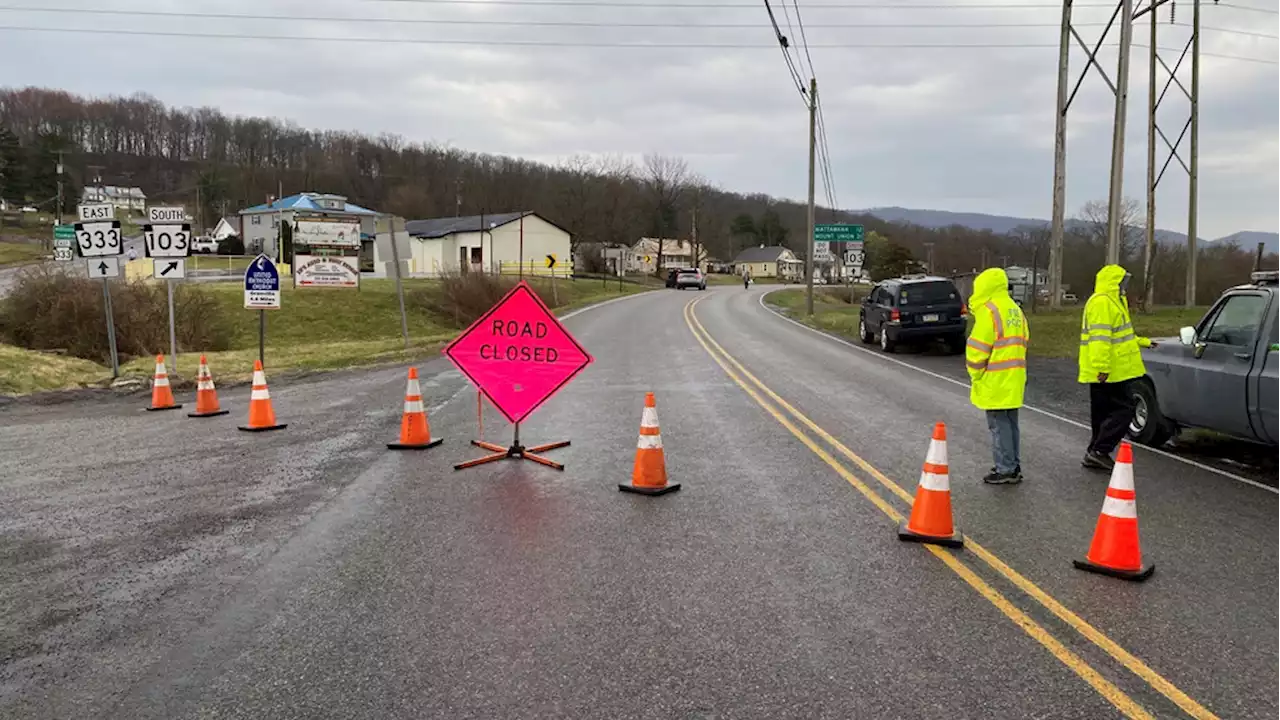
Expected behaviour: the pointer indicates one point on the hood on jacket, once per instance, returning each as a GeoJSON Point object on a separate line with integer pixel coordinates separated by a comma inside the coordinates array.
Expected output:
{"type": "Point", "coordinates": [990, 284]}
{"type": "Point", "coordinates": [1108, 280]}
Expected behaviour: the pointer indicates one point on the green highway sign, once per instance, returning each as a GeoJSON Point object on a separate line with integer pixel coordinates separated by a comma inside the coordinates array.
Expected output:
{"type": "Point", "coordinates": [64, 232]}
{"type": "Point", "coordinates": [837, 233]}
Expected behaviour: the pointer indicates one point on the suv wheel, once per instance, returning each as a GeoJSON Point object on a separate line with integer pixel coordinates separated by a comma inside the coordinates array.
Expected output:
{"type": "Point", "coordinates": [863, 333]}
{"type": "Point", "coordinates": [886, 344]}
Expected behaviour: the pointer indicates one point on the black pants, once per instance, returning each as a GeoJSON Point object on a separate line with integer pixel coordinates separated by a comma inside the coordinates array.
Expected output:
{"type": "Point", "coordinates": [1110, 412]}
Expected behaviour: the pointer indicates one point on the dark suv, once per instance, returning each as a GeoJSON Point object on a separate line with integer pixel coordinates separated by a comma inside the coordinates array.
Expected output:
{"type": "Point", "coordinates": [911, 308]}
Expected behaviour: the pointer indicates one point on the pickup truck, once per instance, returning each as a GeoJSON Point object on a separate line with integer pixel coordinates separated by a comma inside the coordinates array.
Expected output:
{"type": "Point", "coordinates": [1219, 375]}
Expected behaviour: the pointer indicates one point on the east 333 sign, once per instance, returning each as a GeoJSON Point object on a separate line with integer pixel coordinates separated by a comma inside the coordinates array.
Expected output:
{"type": "Point", "coordinates": [167, 240]}
{"type": "Point", "coordinates": [97, 239]}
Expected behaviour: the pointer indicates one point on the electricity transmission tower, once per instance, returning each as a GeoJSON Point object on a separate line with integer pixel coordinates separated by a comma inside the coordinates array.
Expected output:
{"type": "Point", "coordinates": [1124, 12]}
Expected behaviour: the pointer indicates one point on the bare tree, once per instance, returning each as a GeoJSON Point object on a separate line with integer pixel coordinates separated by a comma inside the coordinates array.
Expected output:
{"type": "Point", "coordinates": [665, 178]}
{"type": "Point", "coordinates": [1093, 218]}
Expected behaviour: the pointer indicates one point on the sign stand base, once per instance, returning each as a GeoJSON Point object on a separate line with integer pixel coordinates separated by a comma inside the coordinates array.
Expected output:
{"type": "Point", "coordinates": [515, 452]}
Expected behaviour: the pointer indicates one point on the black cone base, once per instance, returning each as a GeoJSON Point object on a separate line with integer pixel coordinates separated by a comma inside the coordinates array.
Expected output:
{"type": "Point", "coordinates": [1138, 575]}
{"type": "Point", "coordinates": [171, 407]}
{"type": "Point", "coordinates": [954, 540]}
{"type": "Point", "coordinates": [640, 490]}
{"type": "Point", "coordinates": [424, 446]}
{"type": "Point", "coordinates": [264, 429]}
{"type": "Point", "coordinates": [215, 413]}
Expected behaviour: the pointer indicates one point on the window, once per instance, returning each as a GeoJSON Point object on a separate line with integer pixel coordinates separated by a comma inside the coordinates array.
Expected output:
{"type": "Point", "coordinates": [1237, 320]}
{"type": "Point", "coordinates": [928, 293]}
{"type": "Point", "coordinates": [257, 219]}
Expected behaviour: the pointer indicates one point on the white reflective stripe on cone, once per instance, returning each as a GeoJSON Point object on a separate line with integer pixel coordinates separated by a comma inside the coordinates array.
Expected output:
{"type": "Point", "coordinates": [937, 454]}
{"type": "Point", "coordinates": [161, 381]}
{"type": "Point", "coordinates": [649, 442]}
{"type": "Point", "coordinates": [413, 406]}
{"type": "Point", "coordinates": [413, 388]}
{"type": "Point", "coordinates": [260, 394]}
{"type": "Point", "coordinates": [259, 378]}
{"type": "Point", "coordinates": [205, 384]}
{"type": "Point", "coordinates": [934, 481]}
{"type": "Point", "coordinates": [1122, 477]}
{"type": "Point", "coordinates": [1117, 508]}
{"type": "Point", "coordinates": [649, 418]}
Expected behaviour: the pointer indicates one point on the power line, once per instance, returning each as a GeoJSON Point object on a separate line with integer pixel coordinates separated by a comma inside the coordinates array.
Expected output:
{"type": "Point", "coordinates": [183, 15]}
{"type": "Point", "coordinates": [577, 44]}
{"type": "Point", "coordinates": [786, 53]}
{"type": "Point", "coordinates": [732, 5]}
{"type": "Point", "coordinates": [804, 41]}
{"type": "Point", "coordinates": [1233, 6]}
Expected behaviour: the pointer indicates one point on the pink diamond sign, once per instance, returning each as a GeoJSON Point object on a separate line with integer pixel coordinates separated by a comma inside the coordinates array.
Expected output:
{"type": "Point", "coordinates": [518, 354]}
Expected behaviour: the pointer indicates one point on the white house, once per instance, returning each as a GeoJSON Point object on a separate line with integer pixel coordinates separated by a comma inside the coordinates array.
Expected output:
{"type": "Point", "coordinates": [130, 199]}
{"type": "Point", "coordinates": [489, 243]}
{"type": "Point", "coordinates": [224, 229]}
{"type": "Point", "coordinates": [259, 225]}
{"type": "Point", "coordinates": [675, 254]}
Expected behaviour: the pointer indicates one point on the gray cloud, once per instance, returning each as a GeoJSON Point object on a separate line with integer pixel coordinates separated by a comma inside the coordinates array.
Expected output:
{"type": "Point", "coordinates": [948, 128]}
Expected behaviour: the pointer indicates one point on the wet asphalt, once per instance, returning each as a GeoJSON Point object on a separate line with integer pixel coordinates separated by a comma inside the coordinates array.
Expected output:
{"type": "Point", "coordinates": [156, 566]}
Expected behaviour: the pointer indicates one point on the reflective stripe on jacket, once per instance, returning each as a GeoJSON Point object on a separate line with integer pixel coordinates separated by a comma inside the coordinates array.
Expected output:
{"type": "Point", "coordinates": [1108, 343]}
{"type": "Point", "coordinates": [996, 353]}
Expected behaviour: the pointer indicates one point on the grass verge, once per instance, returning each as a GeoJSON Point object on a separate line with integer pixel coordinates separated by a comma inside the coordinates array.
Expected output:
{"type": "Point", "coordinates": [1054, 333]}
{"type": "Point", "coordinates": [26, 371]}
{"type": "Point", "coordinates": [315, 330]}
{"type": "Point", "coordinates": [20, 253]}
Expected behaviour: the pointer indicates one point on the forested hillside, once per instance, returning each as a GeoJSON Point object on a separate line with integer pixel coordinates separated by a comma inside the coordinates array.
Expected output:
{"type": "Point", "coordinates": [181, 154]}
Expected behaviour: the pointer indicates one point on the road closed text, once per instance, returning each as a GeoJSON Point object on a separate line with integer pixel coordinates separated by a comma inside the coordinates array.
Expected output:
{"type": "Point", "coordinates": [518, 342]}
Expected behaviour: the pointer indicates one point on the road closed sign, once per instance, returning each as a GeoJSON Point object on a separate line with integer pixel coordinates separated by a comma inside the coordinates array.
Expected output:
{"type": "Point", "coordinates": [261, 285]}
{"type": "Point", "coordinates": [518, 354]}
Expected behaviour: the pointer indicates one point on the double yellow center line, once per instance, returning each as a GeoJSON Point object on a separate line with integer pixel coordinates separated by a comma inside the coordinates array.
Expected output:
{"type": "Point", "coordinates": [774, 405]}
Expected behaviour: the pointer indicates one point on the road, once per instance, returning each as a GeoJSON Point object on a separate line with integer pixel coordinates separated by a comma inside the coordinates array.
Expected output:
{"type": "Point", "coordinates": [9, 275]}
{"type": "Point", "coordinates": [155, 566]}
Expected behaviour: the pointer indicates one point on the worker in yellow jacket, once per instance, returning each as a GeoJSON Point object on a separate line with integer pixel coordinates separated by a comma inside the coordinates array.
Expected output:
{"type": "Point", "coordinates": [996, 356]}
{"type": "Point", "coordinates": [1110, 362]}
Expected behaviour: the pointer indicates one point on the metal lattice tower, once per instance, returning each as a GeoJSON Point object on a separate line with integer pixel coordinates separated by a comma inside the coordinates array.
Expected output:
{"type": "Point", "coordinates": [1124, 12]}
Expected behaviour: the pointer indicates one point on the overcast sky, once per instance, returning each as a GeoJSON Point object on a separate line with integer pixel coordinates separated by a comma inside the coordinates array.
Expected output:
{"type": "Point", "coordinates": [965, 129]}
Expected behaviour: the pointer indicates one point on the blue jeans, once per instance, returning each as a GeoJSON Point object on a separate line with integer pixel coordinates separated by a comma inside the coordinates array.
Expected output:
{"type": "Point", "coordinates": [1004, 439]}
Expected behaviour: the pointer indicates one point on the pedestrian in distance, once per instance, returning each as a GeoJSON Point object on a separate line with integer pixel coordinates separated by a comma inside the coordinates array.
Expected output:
{"type": "Point", "coordinates": [133, 254]}
{"type": "Point", "coordinates": [996, 357]}
{"type": "Point", "coordinates": [1110, 363]}
{"type": "Point", "coordinates": [746, 279]}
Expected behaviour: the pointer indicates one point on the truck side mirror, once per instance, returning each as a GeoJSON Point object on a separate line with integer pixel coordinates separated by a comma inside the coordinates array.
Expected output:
{"type": "Point", "coordinates": [1187, 335]}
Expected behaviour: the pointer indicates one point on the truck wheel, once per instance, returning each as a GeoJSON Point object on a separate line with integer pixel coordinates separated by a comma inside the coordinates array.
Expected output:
{"type": "Point", "coordinates": [1148, 426]}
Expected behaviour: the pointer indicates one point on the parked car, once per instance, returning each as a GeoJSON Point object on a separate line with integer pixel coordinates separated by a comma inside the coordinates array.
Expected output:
{"type": "Point", "coordinates": [691, 278]}
{"type": "Point", "coordinates": [205, 245]}
{"type": "Point", "coordinates": [914, 308]}
{"type": "Point", "coordinates": [1219, 375]}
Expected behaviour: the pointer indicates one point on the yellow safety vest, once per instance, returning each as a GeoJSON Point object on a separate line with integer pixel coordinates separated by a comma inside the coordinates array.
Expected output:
{"type": "Point", "coordinates": [996, 352]}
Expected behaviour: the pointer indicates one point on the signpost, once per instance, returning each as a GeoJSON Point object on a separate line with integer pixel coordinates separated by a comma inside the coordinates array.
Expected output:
{"type": "Point", "coordinates": [97, 238]}
{"type": "Point", "coordinates": [551, 265]}
{"type": "Point", "coordinates": [262, 293]}
{"type": "Point", "coordinates": [167, 235]}
{"type": "Point", "coordinates": [519, 355]}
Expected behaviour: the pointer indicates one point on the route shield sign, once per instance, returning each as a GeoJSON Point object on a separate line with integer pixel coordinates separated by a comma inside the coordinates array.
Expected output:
{"type": "Point", "coordinates": [518, 354]}
{"type": "Point", "coordinates": [261, 285]}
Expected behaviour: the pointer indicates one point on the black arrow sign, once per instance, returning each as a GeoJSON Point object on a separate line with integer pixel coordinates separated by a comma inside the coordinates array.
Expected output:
{"type": "Point", "coordinates": [171, 266]}
{"type": "Point", "coordinates": [102, 267]}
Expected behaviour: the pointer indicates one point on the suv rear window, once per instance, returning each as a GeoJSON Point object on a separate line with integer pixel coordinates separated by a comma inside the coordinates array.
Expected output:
{"type": "Point", "coordinates": [928, 293]}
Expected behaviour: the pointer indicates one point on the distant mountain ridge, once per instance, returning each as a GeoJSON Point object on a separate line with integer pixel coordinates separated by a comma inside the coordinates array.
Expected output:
{"type": "Point", "coordinates": [1001, 224]}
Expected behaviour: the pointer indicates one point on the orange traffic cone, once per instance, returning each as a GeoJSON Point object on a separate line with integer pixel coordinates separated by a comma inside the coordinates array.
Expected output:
{"type": "Point", "coordinates": [415, 431]}
{"type": "Point", "coordinates": [1115, 550]}
{"type": "Point", "coordinates": [649, 476]}
{"type": "Point", "coordinates": [930, 520]}
{"type": "Point", "coordinates": [261, 416]}
{"type": "Point", "coordinates": [206, 395]}
{"type": "Point", "coordinates": [161, 393]}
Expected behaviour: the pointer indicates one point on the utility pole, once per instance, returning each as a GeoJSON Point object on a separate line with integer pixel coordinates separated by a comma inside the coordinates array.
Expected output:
{"type": "Point", "coordinates": [808, 248]}
{"type": "Point", "coordinates": [1149, 247]}
{"type": "Point", "coordinates": [1059, 163]}
{"type": "Point", "coordinates": [1115, 225]}
{"type": "Point", "coordinates": [1194, 171]}
{"type": "Point", "coordinates": [59, 187]}
{"type": "Point", "coordinates": [457, 197]}
{"type": "Point", "coordinates": [199, 207]}
{"type": "Point", "coordinates": [928, 247]}
{"type": "Point", "coordinates": [693, 238]}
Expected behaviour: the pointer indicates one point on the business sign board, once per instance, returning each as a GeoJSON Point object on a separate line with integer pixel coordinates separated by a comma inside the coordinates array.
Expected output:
{"type": "Point", "coordinates": [518, 354]}
{"type": "Point", "coordinates": [261, 285]}
{"type": "Point", "coordinates": [327, 232]}
{"type": "Point", "coordinates": [332, 271]}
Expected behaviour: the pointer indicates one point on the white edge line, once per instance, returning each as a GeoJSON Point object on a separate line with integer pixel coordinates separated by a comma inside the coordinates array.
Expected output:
{"type": "Point", "coordinates": [1046, 413]}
